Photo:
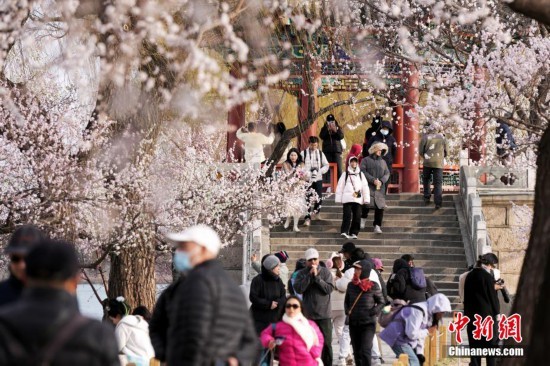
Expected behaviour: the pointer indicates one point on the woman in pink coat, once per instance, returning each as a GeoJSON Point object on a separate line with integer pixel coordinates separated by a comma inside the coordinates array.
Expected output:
{"type": "Point", "coordinates": [299, 340]}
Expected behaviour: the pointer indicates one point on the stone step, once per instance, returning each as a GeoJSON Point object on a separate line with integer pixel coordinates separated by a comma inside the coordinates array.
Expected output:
{"type": "Point", "coordinates": [361, 242]}
{"type": "Point", "coordinates": [456, 260]}
{"type": "Point", "coordinates": [406, 197]}
{"type": "Point", "coordinates": [395, 203]}
{"type": "Point", "coordinates": [401, 210]}
{"type": "Point", "coordinates": [390, 216]}
{"type": "Point", "coordinates": [371, 249]}
{"type": "Point", "coordinates": [401, 221]}
{"type": "Point", "coordinates": [324, 229]}
{"type": "Point", "coordinates": [367, 233]}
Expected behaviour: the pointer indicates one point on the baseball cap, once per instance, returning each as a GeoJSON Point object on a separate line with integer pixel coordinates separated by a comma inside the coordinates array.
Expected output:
{"type": "Point", "coordinates": [311, 253]}
{"type": "Point", "coordinates": [24, 239]}
{"type": "Point", "coordinates": [347, 247]}
{"type": "Point", "coordinates": [202, 235]}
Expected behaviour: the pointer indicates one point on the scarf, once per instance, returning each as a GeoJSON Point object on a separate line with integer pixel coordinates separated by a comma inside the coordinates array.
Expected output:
{"type": "Point", "coordinates": [364, 284]}
{"type": "Point", "coordinates": [301, 325]}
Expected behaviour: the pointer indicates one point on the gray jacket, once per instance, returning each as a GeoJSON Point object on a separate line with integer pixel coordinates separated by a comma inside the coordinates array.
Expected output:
{"type": "Point", "coordinates": [316, 292]}
{"type": "Point", "coordinates": [374, 167]}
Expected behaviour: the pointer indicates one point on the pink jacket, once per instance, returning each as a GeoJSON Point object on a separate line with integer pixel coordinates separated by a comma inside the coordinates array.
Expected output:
{"type": "Point", "coordinates": [293, 351]}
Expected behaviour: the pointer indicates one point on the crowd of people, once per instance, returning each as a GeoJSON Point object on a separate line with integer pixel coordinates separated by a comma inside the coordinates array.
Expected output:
{"type": "Point", "coordinates": [203, 318]}
{"type": "Point", "coordinates": [364, 179]}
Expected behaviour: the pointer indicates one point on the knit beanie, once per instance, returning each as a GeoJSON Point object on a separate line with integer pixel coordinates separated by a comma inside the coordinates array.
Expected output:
{"type": "Point", "coordinates": [282, 255]}
{"type": "Point", "coordinates": [271, 262]}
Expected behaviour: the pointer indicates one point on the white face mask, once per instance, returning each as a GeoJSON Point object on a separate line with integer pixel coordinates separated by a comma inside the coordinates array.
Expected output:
{"type": "Point", "coordinates": [384, 132]}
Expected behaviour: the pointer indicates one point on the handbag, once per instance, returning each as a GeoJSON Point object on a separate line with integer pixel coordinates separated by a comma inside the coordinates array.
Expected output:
{"type": "Point", "coordinates": [350, 310]}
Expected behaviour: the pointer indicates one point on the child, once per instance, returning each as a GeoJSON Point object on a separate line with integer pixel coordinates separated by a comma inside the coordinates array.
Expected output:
{"type": "Point", "coordinates": [353, 192]}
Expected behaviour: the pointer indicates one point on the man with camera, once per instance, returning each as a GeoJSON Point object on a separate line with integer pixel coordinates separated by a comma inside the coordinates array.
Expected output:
{"type": "Point", "coordinates": [480, 298]}
{"type": "Point", "coordinates": [316, 164]}
{"type": "Point", "coordinates": [332, 136]}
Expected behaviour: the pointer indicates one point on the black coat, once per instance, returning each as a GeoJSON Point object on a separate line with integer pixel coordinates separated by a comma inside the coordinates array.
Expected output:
{"type": "Point", "coordinates": [399, 284]}
{"type": "Point", "coordinates": [38, 316]}
{"type": "Point", "coordinates": [480, 296]}
{"type": "Point", "coordinates": [10, 290]}
{"type": "Point", "coordinates": [388, 140]}
{"type": "Point", "coordinates": [369, 304]}
{"type": "Point", "coordinates": [160, 320]}
{"type": "Point", "coordinates": [331, 140]}
{"type": "Point", "coordinates": [210, 321]}
{"type": "Point", "coordinates": [264, 289]}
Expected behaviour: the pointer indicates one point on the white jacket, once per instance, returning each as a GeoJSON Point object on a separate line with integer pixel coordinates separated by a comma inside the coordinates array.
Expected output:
{"type": "Point", "coordinates": [132, 335]}
{"type": "Point", "coordinates": [315, 160]}
{"type": "Point", "coordinates": [337, 296]}
{"type": "Point", "coordinates": [345, 189]}
{"type": "Point", "coordinates": [254, 145]}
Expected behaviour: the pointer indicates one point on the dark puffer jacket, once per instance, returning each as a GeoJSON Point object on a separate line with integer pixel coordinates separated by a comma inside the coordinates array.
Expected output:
{"type": "Point", "coordinates": [399, 284]}
{"type": "Point", "coordinates": [331, 140]}
{"type": "Point", "coordinates": [10, 290]}
{"type": "Point", "coordinates": [388, 140]}
{"type": "Point", "coordinates": [210, 321]}
{"type": "Point", "coordinates": [369, 304]}
{"type": "Point", "coordinates": [160, 320]}
{"type": "Point", "coordinates": [37, 318]}
{"type": "Point", "coordinates": [264, 289]}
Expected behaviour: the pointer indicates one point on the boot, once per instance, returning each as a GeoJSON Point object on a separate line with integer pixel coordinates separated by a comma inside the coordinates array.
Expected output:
{"type": "Point", "coordinates": [363, 223]}
{"type": "Point", "coordinates": [287, 223]}
{"type": "Point", "coordinates": [296, 218]}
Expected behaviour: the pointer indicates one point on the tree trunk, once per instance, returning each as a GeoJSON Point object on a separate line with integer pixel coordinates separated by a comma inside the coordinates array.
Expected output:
{"type": "Point", "coordinates": [536, 9]}
{"type": "Point", "coordinates": [532, 301]}
{"type": "Point", "coordinates": [132, 276]}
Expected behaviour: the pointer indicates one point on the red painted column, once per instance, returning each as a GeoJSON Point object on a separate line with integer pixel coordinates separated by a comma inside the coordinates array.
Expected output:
{"type": "Point", "coordinates": [398, 130]}
{"type": "Point", "coordinates": [478, 146]}
{"type": "Point", "coordinates": [411, 130]}
{"type": "Point", "coordinates": [235, 120]}
{"type": "Point", "coordinates": [303, 102]}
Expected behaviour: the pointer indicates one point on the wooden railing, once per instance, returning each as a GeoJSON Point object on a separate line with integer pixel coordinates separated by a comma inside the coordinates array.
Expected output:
{"type": "Point", "coordinates": [435, 348]}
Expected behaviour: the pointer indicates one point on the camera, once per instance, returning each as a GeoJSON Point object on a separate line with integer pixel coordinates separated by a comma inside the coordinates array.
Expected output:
{"type": "Point", "coordinates": [357, 194]}
{"type": "Point", "coordinates": [504, 291]}
{"type": "Point", "coordinates": [313, 173]}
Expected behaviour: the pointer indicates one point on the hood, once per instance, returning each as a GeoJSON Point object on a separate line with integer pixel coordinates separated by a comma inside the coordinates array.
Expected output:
{"type": "Point", "coordinates": [388, 125]}
{"type": "Point", "coordinates": [134, 321]}
{"type": "Point", "coordinates": [355, 150]}
{"type": "Point", "coordinates": [366, 267]}
{"type": "Point", "coordinates": [352, 171]}
{"type": "Point", "coordinates": [378, 146]}
{"type": "Point", "coordinates": [399, 264]}
{"type": "Point", "coordinates": [438, 303]}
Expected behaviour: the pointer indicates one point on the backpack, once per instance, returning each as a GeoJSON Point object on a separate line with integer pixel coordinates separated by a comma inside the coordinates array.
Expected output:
{"type": "Point", "coordinates": [417, 278]}
{"type": "Point", "coordinates": [392, 292]}
{"type": "Point", "coordinates": [397, 305]}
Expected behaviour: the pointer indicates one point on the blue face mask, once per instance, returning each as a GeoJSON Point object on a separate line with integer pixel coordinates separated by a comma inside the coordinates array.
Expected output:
{"type": "Point", "coordinates": [182, 261]}
{"type": "Point", "coordinates": [384, 132]}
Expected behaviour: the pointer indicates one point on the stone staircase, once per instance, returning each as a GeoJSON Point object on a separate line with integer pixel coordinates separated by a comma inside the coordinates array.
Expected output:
{"type": "Point", "coordinates": [433, 237]}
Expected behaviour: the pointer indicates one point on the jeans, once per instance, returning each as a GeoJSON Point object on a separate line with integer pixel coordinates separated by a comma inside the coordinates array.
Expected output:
{"type": "Point", "coordinates": [361, 341]}
{"type": "Point", "coordinates": [351, 222]}
{"type": "Point", "coordinates": [405, 348]}
{"type": "Point", "coordinates": [342, 332]}
{"type": "Point", "coordinates": [335, 158]}
{"type": "Point", "coordinates": [325, 325]}
{"type": "Point", "coordinates": [437, 173]}
{"type": "Point", "coordinates": [378, 215]}
{"type": "Point", "coordinates": [315, 207]}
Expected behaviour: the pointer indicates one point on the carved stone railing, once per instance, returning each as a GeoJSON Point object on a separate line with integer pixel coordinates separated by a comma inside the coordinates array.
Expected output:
{"type": "Point", "coordinates": [475, 180]}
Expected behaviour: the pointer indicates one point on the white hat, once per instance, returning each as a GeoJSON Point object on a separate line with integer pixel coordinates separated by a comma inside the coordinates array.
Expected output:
{"type": "Point", "coordinates": [203, 235]}
{"type": "Point", "coordinates": [311, 253]}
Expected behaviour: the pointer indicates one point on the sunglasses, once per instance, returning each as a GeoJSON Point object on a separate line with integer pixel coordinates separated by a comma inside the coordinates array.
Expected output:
{"type": "Point", "coordinates": [313, 259]}
{"type": "Point", "coordinates": [16, 259]}
{"type": "Point", "coordinates": [294, 306]}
